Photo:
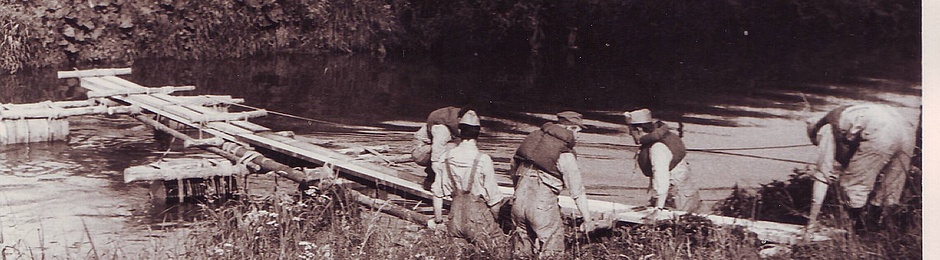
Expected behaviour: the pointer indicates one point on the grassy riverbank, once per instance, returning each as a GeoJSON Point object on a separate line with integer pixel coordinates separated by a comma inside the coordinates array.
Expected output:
{"type": "Point", "coordinates": [325, 225]}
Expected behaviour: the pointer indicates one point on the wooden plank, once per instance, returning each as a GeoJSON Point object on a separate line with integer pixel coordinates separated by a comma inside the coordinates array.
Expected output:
{"type": "Point", "coordinates": [91, 85]}
{"type": "Point", "coordinates": [250, 126]}
{"type": "Point", "coordinates": [219, 117]}
{"type": "Point", "coordinates": [104, 85]}
{"type": "Point", "coordinates": [145, 91]}
{"type": "Point", "coordinates": [208, 100]}
{"type": "Point", "coordinates": [177, 118]}
{"type": "Point", "coordinates": [340, 162]}
{"type": "Point", "coordinates": [93, 73]}
{"type": "Point", "coordinates": [122, 82]}
{"type": "Point", "coordinates": [228, 128]}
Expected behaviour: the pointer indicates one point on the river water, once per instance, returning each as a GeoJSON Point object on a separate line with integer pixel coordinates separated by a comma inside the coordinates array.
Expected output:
{"type": "Point", "coordinates": [65, 198]}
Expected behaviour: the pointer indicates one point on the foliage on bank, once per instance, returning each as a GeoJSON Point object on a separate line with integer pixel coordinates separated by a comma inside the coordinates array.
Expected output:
{"type": "Point", "coordinates": [49, 32]}
{"type": "Point", "coordinates": [684, 42]}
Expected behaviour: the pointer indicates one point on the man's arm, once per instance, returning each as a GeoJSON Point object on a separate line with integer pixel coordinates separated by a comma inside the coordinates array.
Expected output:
{"type": "Point", "coordinates": [660, 156]}
{"type": "Point", "coordinates": [491, 193]}
{"type": "Point", "coordinates": [660, 130]}
{"type": "Point", "coordinates": [825, 172]}
{"type": "Point", "coordinates": [568, 166]}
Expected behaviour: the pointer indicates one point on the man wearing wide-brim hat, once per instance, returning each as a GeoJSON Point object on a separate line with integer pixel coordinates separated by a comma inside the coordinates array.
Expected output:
{"type": "Point", "coordinates": [661, 157]}
{"type": "Point", "coordinates": [543, 166]}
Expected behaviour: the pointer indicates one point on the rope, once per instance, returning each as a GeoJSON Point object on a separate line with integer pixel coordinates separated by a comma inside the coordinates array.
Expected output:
{"type": "Point", "coordinates": [722, 151]}
{"type": "Point", "coordinates": [705, 150]}
{"type": "Point", "coordinates": [289, 115]}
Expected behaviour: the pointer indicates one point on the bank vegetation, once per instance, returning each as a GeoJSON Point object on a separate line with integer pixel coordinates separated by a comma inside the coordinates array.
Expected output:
{"type": "Point", "coordinates": [710, 40]}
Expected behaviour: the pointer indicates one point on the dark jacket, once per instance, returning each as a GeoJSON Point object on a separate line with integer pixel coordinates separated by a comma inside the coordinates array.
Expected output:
{"type": "Point", "coordinates": [446, 116]}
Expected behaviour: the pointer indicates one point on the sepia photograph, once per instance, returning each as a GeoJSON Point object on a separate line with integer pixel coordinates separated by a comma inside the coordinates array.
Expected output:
{"type": "Point", "coordinates": [463, 129]}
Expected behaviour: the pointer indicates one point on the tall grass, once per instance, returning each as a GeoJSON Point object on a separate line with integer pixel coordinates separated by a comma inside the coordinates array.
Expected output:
{"type": "Point", "coordinates": [323, 224]}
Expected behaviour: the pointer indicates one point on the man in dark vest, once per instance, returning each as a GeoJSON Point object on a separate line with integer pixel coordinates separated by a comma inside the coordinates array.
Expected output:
{"type": "Point", "coordinates": [662, 157]}
{"type": "Point", "coordinates": [873, 143]}
{"type": "Point", "coordinates": [437, 135]}
{"type": "Point", "coordinates": [544, 165]}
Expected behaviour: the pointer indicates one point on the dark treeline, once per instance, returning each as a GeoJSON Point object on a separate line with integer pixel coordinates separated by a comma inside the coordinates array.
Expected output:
{"type": "Point", "coordinates": [659, 43]}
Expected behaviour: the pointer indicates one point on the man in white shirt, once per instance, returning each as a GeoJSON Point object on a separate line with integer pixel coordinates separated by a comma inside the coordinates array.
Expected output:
{"type": "Point", "coordinates": [873, 144]}
{"type": "Point", "coordinates": [467, 175]}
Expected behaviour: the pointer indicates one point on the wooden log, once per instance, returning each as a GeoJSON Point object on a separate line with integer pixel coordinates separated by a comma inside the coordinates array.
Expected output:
{"type": "Point", "coordinates": [208, 100]}
{"type": "Point", "coordinates": [364, 149]}
{"type": "Point", "coordinates": [144, 101]}
{"type": "Point", "coordinates": [215, 141]}
{"type": "Point", "coordinates": [38, 130]}
{"type": "Point", "coordinates": [217, 117]}
{"type": "Point", "coordinates": [388, 207]}
{"type": "Point", "coordinates": [340, 162]}
{"type": "Point", "coordinates": [33, 130]}
{"type": "Point", "coordinates": [146, 91]}
{"type": "Point", "coordinates": [51, 104]}
{"type": "Point", "coordinates": [93, 73]}
{"type": "Point", "coordinates": [66, 112]}
{"type": "Point", "coordinates": [178, 169]}
{"type": "Point", "coordinates": [236, 155]}
{"type": "Point", "coordinates": [59, 130]}
{"type": "Point", "coordinates": [20, 132]}
{"type": "Point", "coordinates": [5, 134]}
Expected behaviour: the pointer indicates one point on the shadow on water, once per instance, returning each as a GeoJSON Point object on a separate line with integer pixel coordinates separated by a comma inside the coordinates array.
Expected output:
{"type": "Point", "coordinates": [363, 90]}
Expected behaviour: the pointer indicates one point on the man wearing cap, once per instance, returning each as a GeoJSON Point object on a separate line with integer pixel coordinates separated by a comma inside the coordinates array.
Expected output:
{"type": "Point", "coordinates": [662, 158]}
{"type": "Point", "coordinates": [467, 175]}
{"type": "Point", "coordinates": [867, 140]}
{"type": "Point", "coordinates": [440, 129]}
{"type": "Point", "coordinates": [544, 165]}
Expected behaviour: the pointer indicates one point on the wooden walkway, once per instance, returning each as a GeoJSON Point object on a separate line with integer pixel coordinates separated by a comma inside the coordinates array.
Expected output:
{"type": "Point", "coordinates": [239, 137]}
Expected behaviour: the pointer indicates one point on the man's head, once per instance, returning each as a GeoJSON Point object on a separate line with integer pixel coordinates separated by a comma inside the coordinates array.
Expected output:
{"type": "Point", "coordinates": [639, 119]}
{"type": "Point", "coordinates": [571, 120]}
{"type": "Point", "coordinates": [464, 110]}
{"type": "Point", "coordinates": [469, 125]}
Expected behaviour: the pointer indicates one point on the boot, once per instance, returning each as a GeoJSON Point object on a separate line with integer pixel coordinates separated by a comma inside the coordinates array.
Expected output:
{"type": "Point", "coordinates": [873, 218]}
{"type": "Point", "coordinates": [895, 218]}
{"type": "Point", "coordinates": [855, 214]}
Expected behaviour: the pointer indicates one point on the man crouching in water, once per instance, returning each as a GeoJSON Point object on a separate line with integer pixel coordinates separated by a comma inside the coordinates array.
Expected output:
{"type": "Point", "coordinates": [467, 175]}
{"type": "Point", "coordinates": [544, 164]}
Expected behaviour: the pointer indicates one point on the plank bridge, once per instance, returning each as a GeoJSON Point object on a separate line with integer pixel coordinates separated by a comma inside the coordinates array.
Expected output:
{"type": "Point", "coordinates": [232, 136]}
